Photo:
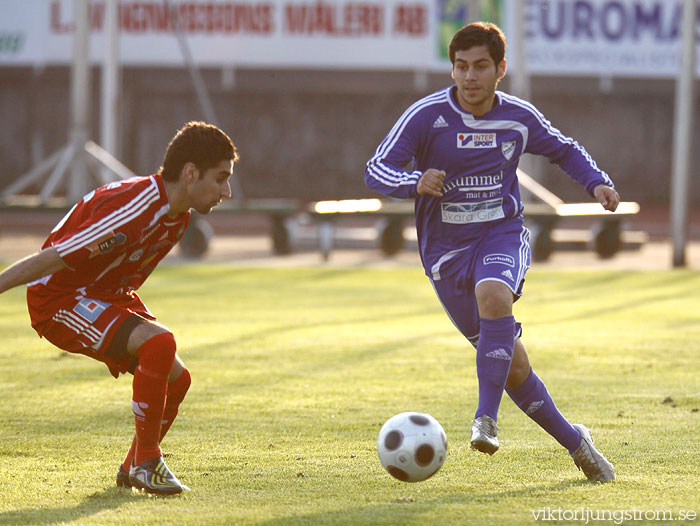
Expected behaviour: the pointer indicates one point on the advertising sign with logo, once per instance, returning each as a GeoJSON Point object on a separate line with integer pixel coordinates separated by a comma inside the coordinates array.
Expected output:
{"type": "Point", "coordinates": [562, 37]}
{"type": "Point", "coordinates": [628, 38]}
{"type": "Point", "coordinates": [387, 34]}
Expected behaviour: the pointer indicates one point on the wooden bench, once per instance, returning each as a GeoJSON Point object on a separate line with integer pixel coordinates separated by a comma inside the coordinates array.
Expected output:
{"type": "Point", "coordinates": [390, 229]}
{"type": "Point", "coordinates": [278, 211]}
{"type": "Point", "coordinates": [196, 240]}
{"type": "Point", "coordinates": [199, 233]}
{"type": "Point", "coordinates": [606, 236]}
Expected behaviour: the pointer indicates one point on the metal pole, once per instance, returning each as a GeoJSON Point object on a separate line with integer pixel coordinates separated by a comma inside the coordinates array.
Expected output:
{"type": "Point", "coordinates": [71, 162]}
{"type": "Point", "coordinates": [474, 10]}
{"type": "Point", "coordinates": [80, 92]}
{"type": "Point", "coordinates": [200, 87]}
{"type": "Point", "coordinates": [682, 135]}
{"type": "Point", "coordinates": [110, 79]}
{"type": "Point", "coordinates": [521, 78]}
{"type": "Point", "coordinates": [520, 86]}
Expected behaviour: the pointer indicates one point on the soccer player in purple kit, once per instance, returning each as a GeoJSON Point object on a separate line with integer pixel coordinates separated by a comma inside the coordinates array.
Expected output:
{"type": "Point", "coordinates": [464, 143]}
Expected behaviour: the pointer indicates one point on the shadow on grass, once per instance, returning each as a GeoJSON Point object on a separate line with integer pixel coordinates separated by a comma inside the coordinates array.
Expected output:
{"type": "Point", "coordinates": [206, 278]}
{"type": "Point", "coordinates": [401, 510]}
{"type": "Point", "coordinates": [108, 499]}
{"type": "Point", "coordinates": [662, 287]}
{"type": "Point", "coordinates": [607, 309]}
{"type": "Point", "coordinates": [279, 330]}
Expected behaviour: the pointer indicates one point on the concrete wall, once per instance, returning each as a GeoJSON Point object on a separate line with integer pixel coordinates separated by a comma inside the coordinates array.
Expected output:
{"type": "Point", "coordinates": [307, 134]}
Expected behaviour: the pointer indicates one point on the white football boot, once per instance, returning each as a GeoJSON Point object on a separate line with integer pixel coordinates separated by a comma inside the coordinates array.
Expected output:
{"type": "Point", "coordinates": [155, 478]}
{"type": "Point", "coordinates": [589, 460]}
{"type": "Point", "coordinates": [484, 435]}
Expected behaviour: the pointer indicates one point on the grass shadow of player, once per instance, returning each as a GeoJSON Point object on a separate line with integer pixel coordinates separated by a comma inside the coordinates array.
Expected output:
{"type": "Point", "coordinates": [405, 510]}
{"type": "Point", "coordinates": [107, 499]}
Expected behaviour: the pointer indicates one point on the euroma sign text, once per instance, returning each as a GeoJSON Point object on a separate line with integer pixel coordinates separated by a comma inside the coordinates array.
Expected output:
{"type": "Point", "coordinates": [637, 38]}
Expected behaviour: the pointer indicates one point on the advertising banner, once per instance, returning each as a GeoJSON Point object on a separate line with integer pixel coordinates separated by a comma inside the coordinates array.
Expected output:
{"type": "Point", "coordinates": [633, 38]}
{"type": "Point", "coordinates": [386, 34]}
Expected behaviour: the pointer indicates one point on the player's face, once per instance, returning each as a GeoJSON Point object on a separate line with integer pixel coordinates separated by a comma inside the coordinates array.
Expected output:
{"type": "Point", "coordinates": [212, 187]}
{"type": "Point", "coordinates": [476, 77]}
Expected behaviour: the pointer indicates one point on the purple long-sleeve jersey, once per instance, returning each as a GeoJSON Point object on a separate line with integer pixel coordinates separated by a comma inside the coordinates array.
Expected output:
{"type": "Point", "coordinates": [480, 156]}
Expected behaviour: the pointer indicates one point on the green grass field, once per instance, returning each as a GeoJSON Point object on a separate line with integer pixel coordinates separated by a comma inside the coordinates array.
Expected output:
{"type": "Point", "coordinates": [295, 370]}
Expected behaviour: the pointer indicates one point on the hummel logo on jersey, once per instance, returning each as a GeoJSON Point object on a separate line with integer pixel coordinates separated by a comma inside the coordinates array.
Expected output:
{"type": "Point", "coordinates": [499, 354]}
{"type": "Point", "coordinates": [440, 122]}
{"type": "Point", "coordinates": [507, 273]}
{"type": "Point", "coordinates": [534, 406]}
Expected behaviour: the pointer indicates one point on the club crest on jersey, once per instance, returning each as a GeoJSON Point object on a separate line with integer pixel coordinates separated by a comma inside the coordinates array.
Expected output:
{"type": "Point", "coordinates": [476, 140]}
{"type": "Point", "coordinates": [508, 149]}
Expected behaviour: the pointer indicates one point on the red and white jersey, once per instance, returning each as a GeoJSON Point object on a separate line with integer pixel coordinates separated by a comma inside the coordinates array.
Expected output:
{"type": "Point", "coordinates": [111, 241]}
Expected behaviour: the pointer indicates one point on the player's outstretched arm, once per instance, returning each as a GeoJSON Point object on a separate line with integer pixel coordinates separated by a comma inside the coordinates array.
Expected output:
{"type": "Point", "coordinates": [607, 196]}
{"type": "Point", "coordinates": [31, 268]}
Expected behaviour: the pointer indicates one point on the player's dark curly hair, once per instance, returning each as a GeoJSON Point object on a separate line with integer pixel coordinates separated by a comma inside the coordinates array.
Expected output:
{"type": "Point", "coordinates": [199, 143]}
{"type": "Point", "coordinates": [480, 34]}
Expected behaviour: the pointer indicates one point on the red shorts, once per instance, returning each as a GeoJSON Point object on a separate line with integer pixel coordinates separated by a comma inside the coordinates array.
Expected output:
{"type": "Point", "coordinates": [88, 326]}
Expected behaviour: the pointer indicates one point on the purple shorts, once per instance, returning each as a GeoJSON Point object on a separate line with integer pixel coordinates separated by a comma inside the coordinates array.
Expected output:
{"type": "Point", "coordinates": [502, 256]}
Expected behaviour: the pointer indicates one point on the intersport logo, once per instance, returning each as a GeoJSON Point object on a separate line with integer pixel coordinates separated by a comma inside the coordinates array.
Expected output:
{"type": "Point", "coordinates": [476, 140]}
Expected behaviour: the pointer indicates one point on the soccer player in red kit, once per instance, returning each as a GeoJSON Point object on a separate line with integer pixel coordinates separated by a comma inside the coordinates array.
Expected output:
{"type": "Point", "coordinates": [81, 286]}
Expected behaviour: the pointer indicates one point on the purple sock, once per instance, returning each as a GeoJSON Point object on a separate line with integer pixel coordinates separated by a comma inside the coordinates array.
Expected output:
{"type": "Point", "coordinates": [535, 401]}
{"type": "Point", "coordinates": [494, 354]}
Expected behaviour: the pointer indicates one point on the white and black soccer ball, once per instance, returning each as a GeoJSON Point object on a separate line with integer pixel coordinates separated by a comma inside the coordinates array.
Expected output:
{"type": "Point", "coordinates": [412, 446]}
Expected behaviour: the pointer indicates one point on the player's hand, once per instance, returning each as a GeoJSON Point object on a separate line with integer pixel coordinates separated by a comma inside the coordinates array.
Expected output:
{"type": "Point", "coordinates": [607, 196]}
{"type": "Point", "coordinates": [431, 182]}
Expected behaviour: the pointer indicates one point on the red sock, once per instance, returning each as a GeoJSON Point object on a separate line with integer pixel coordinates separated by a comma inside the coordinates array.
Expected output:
{"type": "Point", "coordinates": [156, 357]}
{"type": "Point", "coordinates": [126, 465]}
{"type": "Point", "coordinates": [177, 389]}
